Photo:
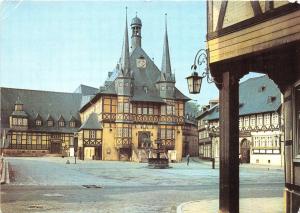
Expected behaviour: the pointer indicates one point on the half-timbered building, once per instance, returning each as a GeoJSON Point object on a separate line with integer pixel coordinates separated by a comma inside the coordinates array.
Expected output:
{"type": "Point", "coordinates": [260, 125]}
{"type": "Point", "coordinates": [264, 37]}
{"type": "Point", "coordinates": [137, 105]}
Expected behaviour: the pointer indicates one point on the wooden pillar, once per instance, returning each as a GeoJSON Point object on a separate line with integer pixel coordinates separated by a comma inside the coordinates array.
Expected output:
{"type": "Point", "coordinates": [229, 143]}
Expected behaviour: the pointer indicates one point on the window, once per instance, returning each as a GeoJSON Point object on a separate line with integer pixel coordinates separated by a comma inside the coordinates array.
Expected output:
{"type": "Point", "coordinates": [145, 111]}
{"type": "Point", "coordinates": [240, 123]}
{"type": "Point", "coordinates": [124, 132]}
{"type": "Point", "coordinates": [252, 121]}
{"type": "Point", "coordinates": [109, 104]}
{"type": "Point", "coordinates": [120, 107]}
{"type": "Point", "coordinates": [38, 122]}
{"type": "Point", "coordinates": [72, 123]}
{"type": "Point", "coordinates": [275, 119]}
{"type": "Point", "coordinates": [19, 140]}
{"type": "Point", "coordinates": [259, 120]}
{"type": "Point", "coordinates": [246, 121]}
{"type": "Point", "coordinates": [169, 110]}
{"type": "Point", "coordinates": [25, 121]}
{"type": "Point", "coordinates": [92, 134]}
{"type": "Point", "coordinates": [267, 119]}
{"type": "Point", "coordinates": [139, 110]}
{"type": "Point", "coordinates": [50, 123]}
{"type": "Point", "coordinates": [38, 142]}
{"type": "Point", "coordinates": [28, 139]}
{"type": "Point", "coordinates": [163, 110]}
{"type": "Point", "coordinates": [150, 111]}
{"type": "Point", "coordinates": [167, 133]}
{"type": "Point", "coordinates": [126, 107]}
{"type": "Point", "coordinates": [61, 123]}
{"type": "Point", "coordinates": [15, 121]}
{"type": "Point", "coordinates": [19, 121]}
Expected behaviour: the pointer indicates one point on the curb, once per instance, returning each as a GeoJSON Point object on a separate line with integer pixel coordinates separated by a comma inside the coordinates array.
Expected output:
{"type": "Point", "coordinates": [179, 208]}
{"type": "Point", "coordinates": [7, 180]}
{"type": "Point", "coordinates": [2, 181]}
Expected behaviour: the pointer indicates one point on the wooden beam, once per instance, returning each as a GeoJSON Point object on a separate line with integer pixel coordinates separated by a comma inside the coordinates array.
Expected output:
{"type": "Point", "coordinates": [269, 5]}
{"type": "Point", "coordinates": [229, 143]}
{"type": "Point", "coordinates": [221, 15]}
{"type": "Point", "coordinates": [256, 8]}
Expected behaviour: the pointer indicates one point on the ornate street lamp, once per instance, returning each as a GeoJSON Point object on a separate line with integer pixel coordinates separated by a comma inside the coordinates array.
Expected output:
{"type": "Point", "coordinates": [194, 80]}
{"type": "Point", "coordinates": [194, 83]}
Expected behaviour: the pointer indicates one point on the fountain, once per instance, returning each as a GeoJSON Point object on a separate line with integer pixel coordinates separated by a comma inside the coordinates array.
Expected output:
{"type": "Point", "coordinates": [158, 162]}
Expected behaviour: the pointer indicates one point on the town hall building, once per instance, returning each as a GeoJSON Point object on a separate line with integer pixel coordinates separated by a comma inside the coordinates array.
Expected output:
{"type": "Point", "coordinates": [138, 106]}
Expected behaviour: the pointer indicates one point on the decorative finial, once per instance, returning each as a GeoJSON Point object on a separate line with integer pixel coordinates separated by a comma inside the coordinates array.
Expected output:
{"type": "Point", "coordinates": [126, 10]}
{"type": "Point", "coordinates": [135, 13]}
{"type": "Point", "coordinates": [166, 19]}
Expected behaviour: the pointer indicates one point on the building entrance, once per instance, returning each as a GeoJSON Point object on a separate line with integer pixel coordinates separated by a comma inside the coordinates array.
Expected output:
{"type": "Point", "coordinates": [55, 147]}
{"type": "Point", "coordinates": [89, 153]}
{"type": "Point", "coordinates": [245, 151]}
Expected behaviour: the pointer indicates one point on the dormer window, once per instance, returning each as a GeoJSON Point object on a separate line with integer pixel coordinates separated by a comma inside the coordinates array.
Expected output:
{"type": "Point", "coordinates": [271, 99]}
{"type": "Point", "coordinates": [61, 123]}
{"type": "Point", "coordinates": [50, 122]}
{"type": "Point", "coordinates": [38, 123]}
{"type": "Point", "coordinates": [72, 124]}
{"type": "Point", "coordinates": [262, 89]}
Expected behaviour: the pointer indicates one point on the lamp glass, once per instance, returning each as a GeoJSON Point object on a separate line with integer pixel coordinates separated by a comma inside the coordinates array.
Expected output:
{"type": "Point", "coordinates": [194, 83]}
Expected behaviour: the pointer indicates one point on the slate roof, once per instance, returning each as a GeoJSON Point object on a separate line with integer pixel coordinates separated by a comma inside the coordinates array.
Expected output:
{"type": "Point", "coordinates": [142, 78]}
{"type": "Point", "coordinates": [256, 96]}
{"type": "Point", "coordinates": [91, 123]}
{"type": "Point", "coordinates": [42, 104]}
{"type": "Point", "coordinates": [86, 90]}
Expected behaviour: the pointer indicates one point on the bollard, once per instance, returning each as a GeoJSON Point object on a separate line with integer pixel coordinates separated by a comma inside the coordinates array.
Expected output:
{"type": "Point", "coordinates": [213, 163]}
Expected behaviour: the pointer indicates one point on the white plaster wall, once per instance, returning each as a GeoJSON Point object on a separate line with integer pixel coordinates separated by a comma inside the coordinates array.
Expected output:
{"type": "Point", "coordinates": [275, 159]}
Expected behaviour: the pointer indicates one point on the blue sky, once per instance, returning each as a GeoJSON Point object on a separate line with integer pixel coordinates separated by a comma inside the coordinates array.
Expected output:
{"type": "Point", "coordinates": [58, 45]}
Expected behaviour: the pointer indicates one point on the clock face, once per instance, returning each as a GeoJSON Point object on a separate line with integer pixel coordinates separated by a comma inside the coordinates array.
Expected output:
{"type": "Point", "coordinates": [141, 63]}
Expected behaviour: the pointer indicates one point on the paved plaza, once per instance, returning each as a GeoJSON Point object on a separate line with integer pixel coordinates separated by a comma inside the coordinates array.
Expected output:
{"type": "Point", "coordinates": [50, 185]}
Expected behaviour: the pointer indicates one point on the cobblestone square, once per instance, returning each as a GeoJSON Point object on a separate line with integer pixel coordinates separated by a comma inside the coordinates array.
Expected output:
{"type": "Point", "coordinates": [48, 184]}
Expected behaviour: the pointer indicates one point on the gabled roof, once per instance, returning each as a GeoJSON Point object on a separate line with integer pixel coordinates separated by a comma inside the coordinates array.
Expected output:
{"type": "Point", "coordinates": [254, 97]}
{"type": "Point", "coordinates": [49, 118]}
{"type": "Point", "coordinates": [72, 118]}
{"type": "Point", "coordinates": [19, 114]}
{"type": "Point", "coordinates": [86, 90]}
{"type": "Point", "coordinates": [42, 103]}
{"type": "Point", "coordinates": [91, 123]}
{"type": "Point", "coordinates": [38, 117]}
{"type": "Point", "coordinates": [61, 118]}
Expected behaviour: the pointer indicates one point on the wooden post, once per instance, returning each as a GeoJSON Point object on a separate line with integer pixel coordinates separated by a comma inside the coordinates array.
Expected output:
{"type": "Point", "coordinates": [229, 144]}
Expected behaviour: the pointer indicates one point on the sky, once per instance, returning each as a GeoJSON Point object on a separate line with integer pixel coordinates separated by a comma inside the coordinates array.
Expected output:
{"type": "Point", "coordinates": [58, 45]}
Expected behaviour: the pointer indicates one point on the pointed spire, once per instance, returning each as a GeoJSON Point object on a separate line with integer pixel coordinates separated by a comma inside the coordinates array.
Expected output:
{"type": "Point", "coordinates": [125, 63]}
{"type": "Point", "coordinates": [166, 64]}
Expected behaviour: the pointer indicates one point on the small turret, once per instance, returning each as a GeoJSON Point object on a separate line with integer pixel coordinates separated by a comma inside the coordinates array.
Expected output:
{"type": "Point", "coordinates": [136, 37]}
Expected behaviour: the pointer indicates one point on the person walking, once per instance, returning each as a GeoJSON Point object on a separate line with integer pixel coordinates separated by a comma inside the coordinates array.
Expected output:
{"type": "Point", "coordinates": [187, 159]}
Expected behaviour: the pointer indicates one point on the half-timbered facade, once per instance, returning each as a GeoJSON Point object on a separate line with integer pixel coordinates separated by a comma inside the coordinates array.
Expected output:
{"type": "Point", "coordinates": [260, 125]}
{"type": "Point", "coordinates": [138, 104]}
{"type": "Point", "coordinates": [35, 123]}
{"type": "Point", "coordinates": [260, 36]}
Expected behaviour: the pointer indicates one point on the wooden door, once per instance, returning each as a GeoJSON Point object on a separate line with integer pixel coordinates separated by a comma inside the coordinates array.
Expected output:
{"type": "Point", "coordinates": [55, 147]}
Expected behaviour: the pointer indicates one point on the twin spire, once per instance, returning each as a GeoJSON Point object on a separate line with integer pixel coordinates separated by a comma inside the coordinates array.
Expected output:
{"type": "Point", "coordinates": [125, 61]}
{"type": "Point", "coordinates": [166, 72]}
{"type": "Point", "coordinates": [166, 64]}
